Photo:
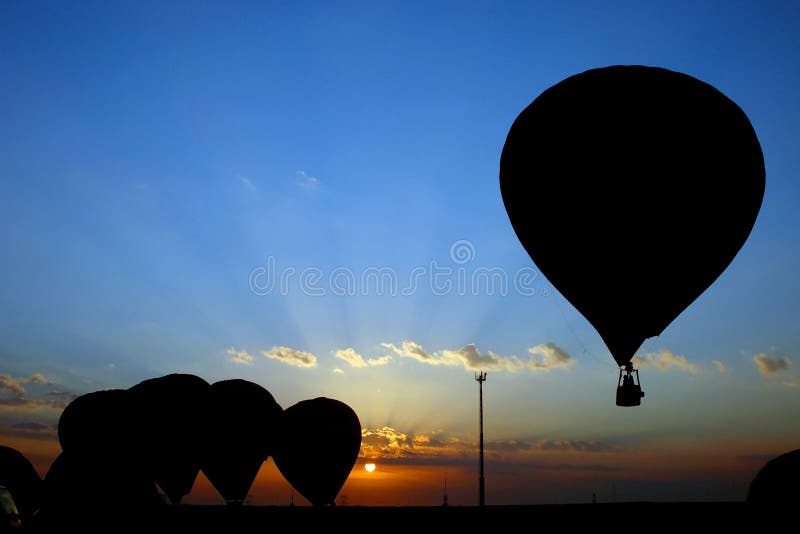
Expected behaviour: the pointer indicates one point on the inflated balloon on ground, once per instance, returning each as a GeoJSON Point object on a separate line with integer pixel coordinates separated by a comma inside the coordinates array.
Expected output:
{"type": "Point", "coordinates": [169, 412]}
{"type": "Point", "coordinates": [319, 444]}
{"type": "Point", "coordinates": [239, 433]}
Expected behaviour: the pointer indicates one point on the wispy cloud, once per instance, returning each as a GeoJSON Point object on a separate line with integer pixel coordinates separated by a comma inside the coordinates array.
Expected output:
{"type": "Point", "coordinates": [721, 367]}
{"type": "Point", "coordinates": [306, 180]}
{"type": "Point", "coordinates": [246, 182]}
{"type": "Point", "coordinates": [15, 385]}
{"type": "Point", "coordinates": [355, 359]}
{"type": "Point", "coordinates": [240, 357]}
{"type": "Point", "coordinates": [39, 378]}
{"type": "Point", "coordinates": [28, 430]}
{"type": "Point", "coordinates": [337, 371]}
{"type": "Point", "coordinates": [551, 357]}
{"type": "Point", "coordinates": [409, 349]}
{"type": "Point", "coordinates": [390, 444]}
{"type": "Point", "coordinates": [289, 356]}
{"type": "Point", "coordinates": [471, 358]}
{"type": "Point", "coordinates": [13, 394]}
{"type": "Point", "coordinates": [769, 366]}
{"type": "Point", "coordinates": [544, 357]}
{"type": "Point", "coordinates": [563, 445]}
{"type": "Point", "coordinates": [665, 360]}
{"type": "Point", "coordinates": [12, 385]}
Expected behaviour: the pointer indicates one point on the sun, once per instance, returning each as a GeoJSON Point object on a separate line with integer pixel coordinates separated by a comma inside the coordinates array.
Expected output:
{"type": "Point", "coordinates": [369, 467]}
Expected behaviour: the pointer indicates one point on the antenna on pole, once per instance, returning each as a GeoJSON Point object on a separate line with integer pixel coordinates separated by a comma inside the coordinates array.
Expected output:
{"type": "Point", "coordinates": [444, 497]}
{"type": "Point", "coordinates": [481, 378]}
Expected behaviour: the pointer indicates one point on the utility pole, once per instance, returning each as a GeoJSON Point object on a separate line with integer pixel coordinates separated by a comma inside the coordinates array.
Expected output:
{"type": "Point", "coordinates": [481, 378]}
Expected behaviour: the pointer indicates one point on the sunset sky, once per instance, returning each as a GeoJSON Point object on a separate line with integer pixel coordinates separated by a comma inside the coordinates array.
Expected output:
{"type": "Point", "coordinates": [306, 196]}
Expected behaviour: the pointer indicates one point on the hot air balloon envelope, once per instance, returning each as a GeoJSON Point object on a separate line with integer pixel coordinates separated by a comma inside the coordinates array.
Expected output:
{"type": "Point", "coordinates": [632, 188]}
{"type": "Point", "coordinates": [319, 444]}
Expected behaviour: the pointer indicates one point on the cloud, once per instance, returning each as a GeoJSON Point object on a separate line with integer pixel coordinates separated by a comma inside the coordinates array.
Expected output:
{"type": "Point", "coordinates": [471, 359]}
{"type": "Point", "coordinates": [12, 385]}
{"type": "Point", "coordinates": [768, 366]}
{"type": "Point", "coordinates": [32, 425]}
{"type": "Point", "coordinates": [59, 399]}
{"type": "Point", "coordinates": [792, 383]}
{"type": "Point", "coordinates": [350, 356]}
{"type": "Point", "coordinates": [39, 378]}
{"type": "Point", "coordinates": [28, 430]}
{"type": "Point", "coordinates": [574, 446]}
{"type": "Point", "coordinates": [246, 182]}
{"type": "Point", "coordinates": [377, 362]}
{"type": "Point", "coordinates": [389, 444]}
{"type": "Point", "coordinates": [664, 360]}
{"type": "Point", "coordinates": [552, 357]}
{"type": "Point", "coordinates": [721, 367]}
{"type": "Point", "coordinates": [297, 358]}
{"type": "Point", "coordinates": [15, 386]}
{"type": "Point", "coordinates": [562, 445]}
{"type": "Point", "coordinates": [337, 371]}
{"type": "Point", "coordinates": [305, 180]}
{"type": "Point", "coordinates": [409, 349]}
{"type": "Point", "coordinates": [54, 399]}
{"type": "Point", "coordinates": [241, 357]}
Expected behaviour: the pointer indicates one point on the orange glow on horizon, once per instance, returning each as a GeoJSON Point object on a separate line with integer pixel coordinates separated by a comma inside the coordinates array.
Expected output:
{"type": "Point", "coordinates": [512, 478]}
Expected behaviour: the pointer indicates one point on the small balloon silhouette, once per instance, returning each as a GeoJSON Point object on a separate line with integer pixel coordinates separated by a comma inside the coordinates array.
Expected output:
{"type": "Point", "coordinates": [21, 479]}
{"type": "Point", "coordinates": [238, 435]}
{"type": "Point", "coordinates": [776, 482]}
{"type": "Point", "coordinates": [319, 443]}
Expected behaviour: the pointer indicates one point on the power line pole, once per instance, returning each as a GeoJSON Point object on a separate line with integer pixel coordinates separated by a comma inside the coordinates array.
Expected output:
{"type": "Point", "coordinates": [481, 378]}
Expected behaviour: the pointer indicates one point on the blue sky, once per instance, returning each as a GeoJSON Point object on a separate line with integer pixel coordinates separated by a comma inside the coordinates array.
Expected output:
{"type": "Point", "coordinates": [152, 156]}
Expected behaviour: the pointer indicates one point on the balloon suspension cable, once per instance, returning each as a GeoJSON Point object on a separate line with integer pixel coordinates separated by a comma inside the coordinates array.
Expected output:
{"type": "Point", "coordinates": [573, 332]}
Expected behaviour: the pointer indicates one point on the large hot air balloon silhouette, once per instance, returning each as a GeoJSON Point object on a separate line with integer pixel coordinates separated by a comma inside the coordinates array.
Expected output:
{"type": "Point", "coordinates": [87, 489]}
{"type": "Point", "coordinates": [318, 446]}
{"type": "Point", "coordinates": [239, 434]}
{"type": "Point", "coordinates": [169, 411]}
{"type": "Point", "coordinates": [101, 465]}
{"type": "Point", "coordinates": [632, 188]}
{"type": "Point", "coordinates": [97, 423]}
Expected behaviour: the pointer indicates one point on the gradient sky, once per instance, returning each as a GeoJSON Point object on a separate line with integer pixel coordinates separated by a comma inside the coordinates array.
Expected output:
{"type": "Point", "coordinates": [161, 163]}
